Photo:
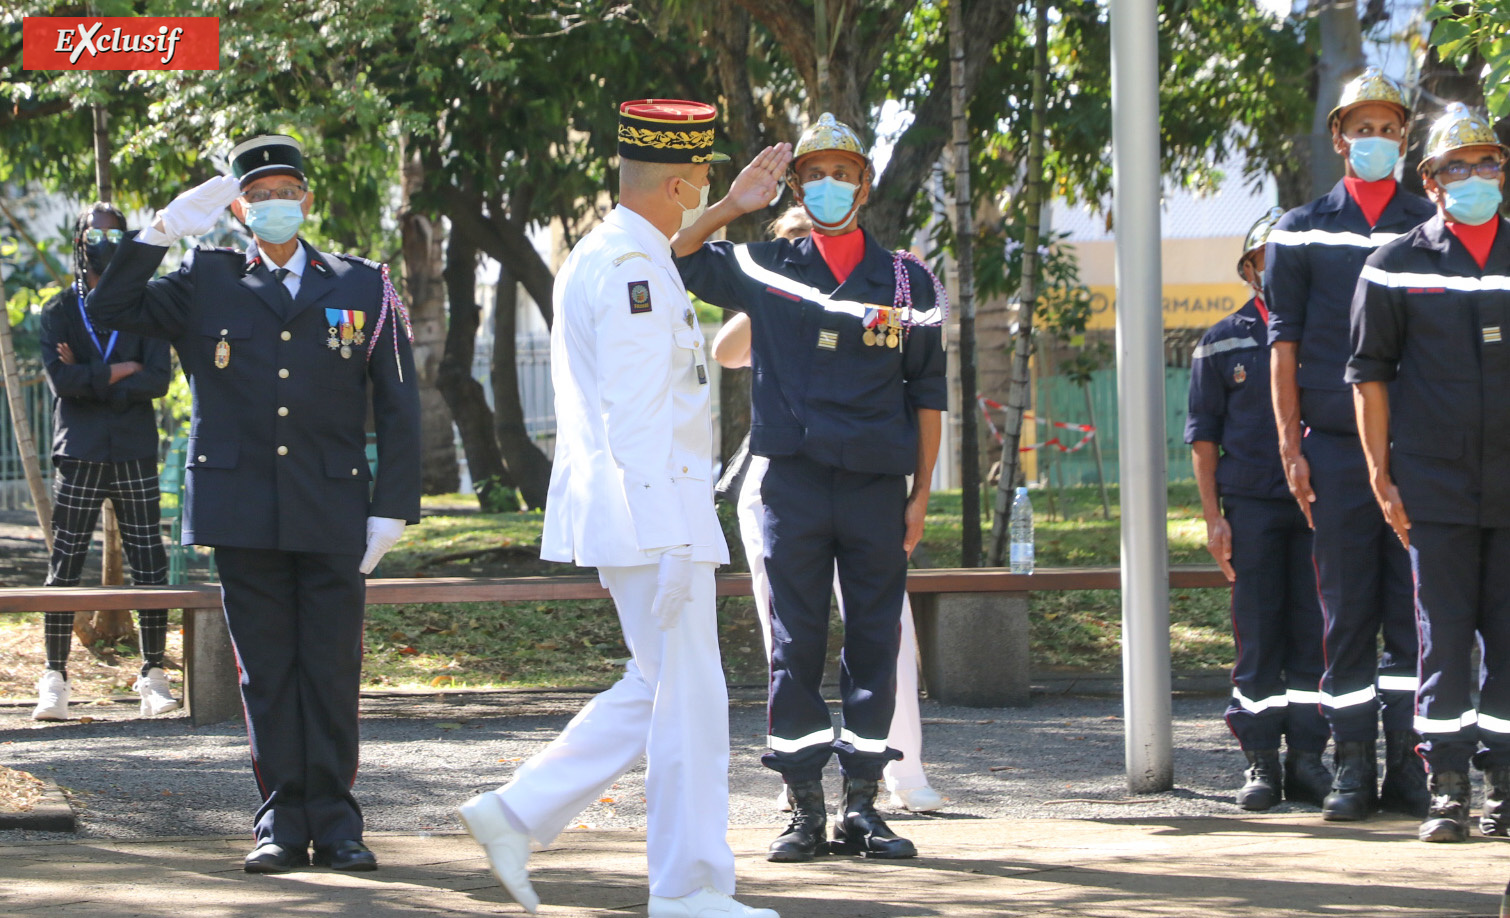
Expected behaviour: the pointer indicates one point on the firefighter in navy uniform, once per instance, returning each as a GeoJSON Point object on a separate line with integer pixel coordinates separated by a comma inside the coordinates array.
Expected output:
{"type": "Point", "coordinates": [1314, 255]}
{"type": "Point", "coordinates": [284, 347]}
{"type": "Point", "coordinates": [1431, 372]}
{"type": "Point", "coordinates": [847, 351]}
{"type": "Point", "coordinates": [1258, 535]}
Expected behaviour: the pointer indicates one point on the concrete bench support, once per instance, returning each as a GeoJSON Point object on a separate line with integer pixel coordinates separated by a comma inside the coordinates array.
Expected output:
{"type": "Point", "coordinates": [212, 691]}
{"type": "Point", "coordinates": [974, 648]}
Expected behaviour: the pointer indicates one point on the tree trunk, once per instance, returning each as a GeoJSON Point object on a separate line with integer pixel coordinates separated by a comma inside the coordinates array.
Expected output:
{"type": "Point", "coordinates": [424, 266]}
{"type": "Point", "coordinates": [964, 260]}
{"type": "Point", "coordinates": [1341, 59]}
{"type": "Point", "coordinates": [464, 395]}
{"type": "Point", "coordinates": [527, 465]}
{"type": "Point", "coordinates": [1018, 399]}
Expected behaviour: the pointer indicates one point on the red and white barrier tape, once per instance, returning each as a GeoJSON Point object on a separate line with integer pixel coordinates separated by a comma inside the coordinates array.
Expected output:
{"type": "Point", "coordinates": [986, 405]}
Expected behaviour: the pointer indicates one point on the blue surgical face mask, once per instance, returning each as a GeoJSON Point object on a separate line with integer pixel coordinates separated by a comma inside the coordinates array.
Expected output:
{"type": "Point", "coordinates": [829, 201]}
{"type": "Point", "coordinates": [276, 220]}
{"type": "Point", "coordinates": [1474, 200]}
{"type": "Point", "coordinates": [1373, 158]}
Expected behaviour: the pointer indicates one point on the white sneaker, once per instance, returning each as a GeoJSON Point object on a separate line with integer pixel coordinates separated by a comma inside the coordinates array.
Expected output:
{"type": "Point", "coordinates": [157, 698]}
{"type": "Point", "coordinates": [507, 848]}
{"type": "Point", "coordinates": [52, 697]}
{"type": "Point", "coordinates": [917, 799]}
{"type": "Point", "coordinates": [707, 903]}
{"type": "Point", "coordinates": [783, 802]}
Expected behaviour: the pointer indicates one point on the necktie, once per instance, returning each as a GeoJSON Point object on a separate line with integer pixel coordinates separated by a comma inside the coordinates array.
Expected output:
{"type": "Point", "coordinates": [287, 297]}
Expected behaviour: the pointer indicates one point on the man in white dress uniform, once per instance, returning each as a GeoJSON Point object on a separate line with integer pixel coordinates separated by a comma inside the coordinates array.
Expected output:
{"type": "Point", "coordinates": [632, 494]}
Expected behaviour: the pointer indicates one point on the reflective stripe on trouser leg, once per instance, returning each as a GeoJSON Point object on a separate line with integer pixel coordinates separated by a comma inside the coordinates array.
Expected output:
{"type": "Point", "coordinates": [1446, 560]}
{"type": "Point", "coordinates": [1351, 549]}
{"type": "Point", "coordinates": [1494, 629]}
{"type": "Point", "coordinates": [1266, 543]}
{"type": "Point", "coordinates": [869, 525]}
{"type": "Point", "coordinates": [798, 540]}
{"type": "Point", "coordinates": [671, 706]}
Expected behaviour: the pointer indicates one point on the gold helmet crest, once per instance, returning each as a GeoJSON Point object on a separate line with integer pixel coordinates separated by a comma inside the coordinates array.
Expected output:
{"type": "Point", "coordinates": [829, 134]}
{"type": "Point", "coordinates": [1258, 235]}
{"type": "Point", "coordinates": [1369, 86]}
{"type": "Point", "coordinates": [1458, 126]}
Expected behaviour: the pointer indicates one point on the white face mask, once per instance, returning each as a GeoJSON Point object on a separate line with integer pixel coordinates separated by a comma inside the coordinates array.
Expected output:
{"type": "Point", "coordinates": [690, 214]}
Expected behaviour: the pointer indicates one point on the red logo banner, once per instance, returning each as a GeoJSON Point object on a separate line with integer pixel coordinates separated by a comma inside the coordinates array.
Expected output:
{"type": "Point", "coordinates": [120, 43]}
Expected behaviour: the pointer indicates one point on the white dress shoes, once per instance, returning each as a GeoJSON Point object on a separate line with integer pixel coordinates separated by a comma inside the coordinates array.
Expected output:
{"type": "Point", "coordinates": [917, 799]}
{"type": "Point", "coordinates": [706, 903]}
{"type": "Point", "coordinates": [507, 848]}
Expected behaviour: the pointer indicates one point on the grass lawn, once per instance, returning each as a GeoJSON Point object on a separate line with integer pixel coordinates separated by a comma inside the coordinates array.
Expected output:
{"type": "Point", "coordinates": [577, 643]}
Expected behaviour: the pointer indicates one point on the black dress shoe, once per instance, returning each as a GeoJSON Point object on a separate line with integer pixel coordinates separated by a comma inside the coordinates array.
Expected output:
{"type": "Point", "coordinates": [271, 857]}
{"type": "Point", "coordinates": [347, 854]}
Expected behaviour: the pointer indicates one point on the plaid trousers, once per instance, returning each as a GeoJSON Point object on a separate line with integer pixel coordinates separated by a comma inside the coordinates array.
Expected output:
{"type": "Point", "coordinates": [79, 490]}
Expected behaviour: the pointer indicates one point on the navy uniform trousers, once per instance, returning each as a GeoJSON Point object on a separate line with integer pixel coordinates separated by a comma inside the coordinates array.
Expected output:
{"type": "Point", "coordinates": [818, 516]}
{"type": "Point", "coordinates": [1463, 588]}
{"type": "Point", "coordinates": [1366, 590]}
{"type": "Point", "coordinates": [1276, 620]}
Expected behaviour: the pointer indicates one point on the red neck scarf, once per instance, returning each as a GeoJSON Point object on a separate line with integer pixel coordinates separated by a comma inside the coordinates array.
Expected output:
{"type": "Point", "coordinates": [1263, 311]}
{"type": "Point", "coordinates": [841, 253]}
{"type": "Point", "coordinates": [1478, 240]}
{"type": "Point", "coordinates": [1371, 197]}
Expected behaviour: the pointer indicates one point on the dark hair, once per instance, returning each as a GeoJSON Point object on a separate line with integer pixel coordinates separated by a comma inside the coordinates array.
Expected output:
{"type": "Point", "coordinates": [84, 222]}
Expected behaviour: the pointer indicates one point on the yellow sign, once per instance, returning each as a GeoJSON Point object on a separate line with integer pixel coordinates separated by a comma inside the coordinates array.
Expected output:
{"type": "Point", "coordinates": [1185, 305]}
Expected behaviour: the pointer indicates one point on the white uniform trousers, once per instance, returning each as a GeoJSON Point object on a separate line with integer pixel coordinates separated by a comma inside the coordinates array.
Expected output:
{"type": "Point", "coordinates": [906, 734]}
{"type": "Point", "coordinates": [672, 707]}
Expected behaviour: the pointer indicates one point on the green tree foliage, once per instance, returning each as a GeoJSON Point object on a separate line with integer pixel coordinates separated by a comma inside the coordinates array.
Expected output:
{"type": "Point", "coordinates": [1477, 33]}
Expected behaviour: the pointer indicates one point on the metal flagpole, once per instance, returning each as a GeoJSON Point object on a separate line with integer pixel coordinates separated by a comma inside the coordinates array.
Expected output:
{"type": "Point", "coordinates": [1140, 379]}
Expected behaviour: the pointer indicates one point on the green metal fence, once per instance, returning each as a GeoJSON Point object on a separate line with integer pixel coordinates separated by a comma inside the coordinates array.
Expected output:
{"type": "Point", "coordinates": [1061, 399]}
{"type": "Point", "coordinates": [14, 494]}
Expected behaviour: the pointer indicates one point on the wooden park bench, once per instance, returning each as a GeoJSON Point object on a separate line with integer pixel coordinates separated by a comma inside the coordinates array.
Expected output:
{"type": "Point", "coordinates": [972, 623]}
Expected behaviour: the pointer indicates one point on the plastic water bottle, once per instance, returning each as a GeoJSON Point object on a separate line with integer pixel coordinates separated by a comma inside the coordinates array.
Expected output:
{"type": "Point", "coordinates": [1022, 533]}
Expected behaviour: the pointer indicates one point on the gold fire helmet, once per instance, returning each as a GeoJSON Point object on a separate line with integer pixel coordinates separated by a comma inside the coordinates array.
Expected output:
{"type": "Point", "coordinates": [1369, 86]}
{"type": "Point", "coordinates": [829, 134]}
{"type": "Point", "coordinates": [1258, 235]}
{"type": "Point", "coordinates": [1457, 127]}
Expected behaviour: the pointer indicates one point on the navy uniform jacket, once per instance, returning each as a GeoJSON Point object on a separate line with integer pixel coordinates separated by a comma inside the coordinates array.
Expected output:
{"type": "Point", "coordinates": [1426, 318]}
{"type": "Point", "coordinates": [819, 391]}
{"type": "Point", "coordinates": [276, 456]}
{"type": "Point", "coordinates": [1230, 406]}
{"type": "Point", "coordinates": [93, 420]}
{"type": "Point", "coordinates": [1313, 258]}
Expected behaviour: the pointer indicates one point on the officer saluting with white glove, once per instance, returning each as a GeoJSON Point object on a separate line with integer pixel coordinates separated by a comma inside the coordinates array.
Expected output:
{"type": "Point", "coordinates": [632, 495]}
{"type": "Point", "coordinates": [282, 345]}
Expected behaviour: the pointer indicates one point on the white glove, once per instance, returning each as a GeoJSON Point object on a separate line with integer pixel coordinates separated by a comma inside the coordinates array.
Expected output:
{"type": "Point", "coordinates": [381, 534]}
{"type": "Point", "coordinates": [673, 586]}
{"type": "Point", "coordinates": [194, 212]}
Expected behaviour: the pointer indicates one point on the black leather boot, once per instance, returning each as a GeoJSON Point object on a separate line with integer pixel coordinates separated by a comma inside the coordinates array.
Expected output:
{"type": "Point", "coordinates": [1447, 820]}
{"type": "Point", "coordinates": [1404, 789]}
{"type": "Point", "coordinates": [1260, 789]}
{"type": "Point", "coordinates": [860, 829]}
{"type": "Point", "coordinates": [803, 837]}
{"type": "Point", "coordinates": [1307, 779]}
{"type": "Point", "coordinates": [1355, 793]}
{"type": "Point", "coordinates": [1496, 818]}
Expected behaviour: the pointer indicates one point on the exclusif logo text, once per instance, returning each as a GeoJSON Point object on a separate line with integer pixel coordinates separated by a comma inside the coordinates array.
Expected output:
{"type": "Point", "coordinates": [87, 38]}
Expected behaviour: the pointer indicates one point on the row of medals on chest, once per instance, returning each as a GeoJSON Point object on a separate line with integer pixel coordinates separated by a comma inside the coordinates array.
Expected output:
{"type": "Point", "coordinates": [343, 335]}
{"type": "Point", "coordinates": [883, 327]}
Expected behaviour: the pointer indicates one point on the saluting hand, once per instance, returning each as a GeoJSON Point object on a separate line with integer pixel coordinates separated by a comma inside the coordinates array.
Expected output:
{"type": "Point", "coordinates": [757, 184]}
{"type": "Point", "coordinates": [1298, 475]}
{"type": "Point", "coordinates": [1388, 497]}
{"type": "Point", "coordinates": [1219, 543]}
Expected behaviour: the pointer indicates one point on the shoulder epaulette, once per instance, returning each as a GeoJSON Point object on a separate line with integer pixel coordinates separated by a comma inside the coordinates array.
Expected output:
{"type": "Point", "coordinates": [222, 249]}
{"type": "Point", "coordinates": [359, 260]}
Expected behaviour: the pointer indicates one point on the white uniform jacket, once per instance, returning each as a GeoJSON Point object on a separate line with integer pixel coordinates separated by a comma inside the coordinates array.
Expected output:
{"type": "Point", "coordinates": [633, 472]}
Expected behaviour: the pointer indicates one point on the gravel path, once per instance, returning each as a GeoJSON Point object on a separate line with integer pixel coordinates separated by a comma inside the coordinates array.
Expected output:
{"type": "Point", "coordinates": [423, 754]}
